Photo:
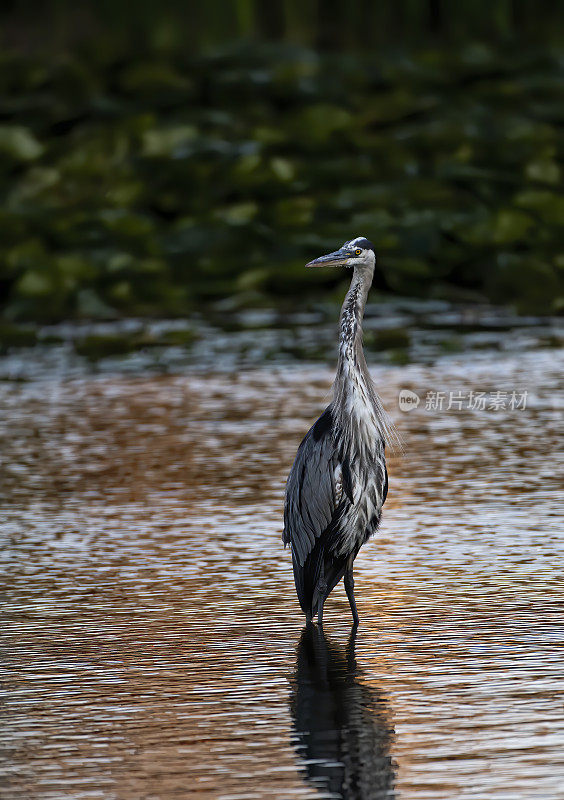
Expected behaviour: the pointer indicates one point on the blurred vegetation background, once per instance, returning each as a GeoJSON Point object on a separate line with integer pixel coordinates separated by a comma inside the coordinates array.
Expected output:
{"type": "Point", "coordinates": [161, 157]}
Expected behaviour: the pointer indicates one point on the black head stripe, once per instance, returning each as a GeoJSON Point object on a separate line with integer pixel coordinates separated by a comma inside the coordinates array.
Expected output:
{"type": "Point", "coordinates": [365, 244]}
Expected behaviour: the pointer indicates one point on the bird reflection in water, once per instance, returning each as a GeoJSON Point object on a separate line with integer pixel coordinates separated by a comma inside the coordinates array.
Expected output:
{"type": "Point", "coordinates": [342, 733]}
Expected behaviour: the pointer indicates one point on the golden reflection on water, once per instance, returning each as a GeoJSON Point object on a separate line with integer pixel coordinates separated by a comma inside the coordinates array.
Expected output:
{"type": "Point", "coordinates": [153, 645]}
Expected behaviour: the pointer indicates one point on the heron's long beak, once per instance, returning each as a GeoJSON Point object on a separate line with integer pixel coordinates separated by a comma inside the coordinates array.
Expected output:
{"type": "Point", "coordinates": [336, 259]}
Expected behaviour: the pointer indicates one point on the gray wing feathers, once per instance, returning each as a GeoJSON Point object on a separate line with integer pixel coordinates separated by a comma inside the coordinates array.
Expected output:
{"type": "Point", "coordinates": [310, 494]}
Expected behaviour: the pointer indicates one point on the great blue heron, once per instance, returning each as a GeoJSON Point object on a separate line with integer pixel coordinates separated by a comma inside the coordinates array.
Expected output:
{"type": "Point", "coordinates": [339, 482]}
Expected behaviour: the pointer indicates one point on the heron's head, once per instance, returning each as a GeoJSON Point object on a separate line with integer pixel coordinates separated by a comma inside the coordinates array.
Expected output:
{"type": "Point", "coordinates": [358, 252]}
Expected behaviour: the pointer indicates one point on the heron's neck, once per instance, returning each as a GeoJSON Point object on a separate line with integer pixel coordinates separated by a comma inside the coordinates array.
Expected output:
{"type": "Point", "coordinates": [352, 313]}
{"type": "Point", "coordinates": [352, 373]}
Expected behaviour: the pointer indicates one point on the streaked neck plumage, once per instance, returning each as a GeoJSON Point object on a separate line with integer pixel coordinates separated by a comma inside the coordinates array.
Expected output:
{"type": "Point", "coordinates": [352, 364]}
{"type": "Point", "coordinates": [352, 313]}
{"type": "Point", "coordinates": [354, 394]}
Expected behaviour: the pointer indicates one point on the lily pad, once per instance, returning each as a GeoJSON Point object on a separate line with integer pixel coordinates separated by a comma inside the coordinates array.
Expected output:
{"type": "Point", "coordinates": [19, 143]}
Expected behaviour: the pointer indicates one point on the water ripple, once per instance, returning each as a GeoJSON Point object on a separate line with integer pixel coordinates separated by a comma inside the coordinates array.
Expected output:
{"type": "Point", "coordinates": [152, 642]}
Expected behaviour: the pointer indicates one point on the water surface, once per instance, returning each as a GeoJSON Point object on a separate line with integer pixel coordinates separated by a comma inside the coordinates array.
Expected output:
{"type": "Point", "coordinates": [153, 646]}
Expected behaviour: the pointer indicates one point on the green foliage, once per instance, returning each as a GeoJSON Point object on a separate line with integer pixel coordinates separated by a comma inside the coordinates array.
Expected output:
{"type": "Point", "coordinates": [161, 180]}
{"type": "Point", "coordinates": [387, 338]}
{"type": "Point", "coordinates": [97, 346]}
{"type": "Point", "coordinates": [16, 336]}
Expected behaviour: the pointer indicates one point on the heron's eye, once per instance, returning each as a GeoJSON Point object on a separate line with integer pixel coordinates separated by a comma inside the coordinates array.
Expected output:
{"type": "Point", "coordinates": [357, 252]}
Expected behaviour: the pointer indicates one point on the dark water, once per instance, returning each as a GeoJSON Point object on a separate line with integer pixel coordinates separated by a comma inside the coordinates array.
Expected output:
{"type": "Point", "coordinates": [152, 642]}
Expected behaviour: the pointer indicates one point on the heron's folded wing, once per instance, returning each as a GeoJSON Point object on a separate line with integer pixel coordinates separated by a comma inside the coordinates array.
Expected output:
{"type": "Point", "coordinates": [314, 493]}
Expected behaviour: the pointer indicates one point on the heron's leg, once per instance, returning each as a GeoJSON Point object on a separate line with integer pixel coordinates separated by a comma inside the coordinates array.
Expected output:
{"type": "Point", "coordinates": [320, 612]}
{"type": "Point", "coordinates": [321, 590]}
{"type": "Point", "coordinates": [349, 588]}
{"type": "Point", "coordinates": [320, 593]}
